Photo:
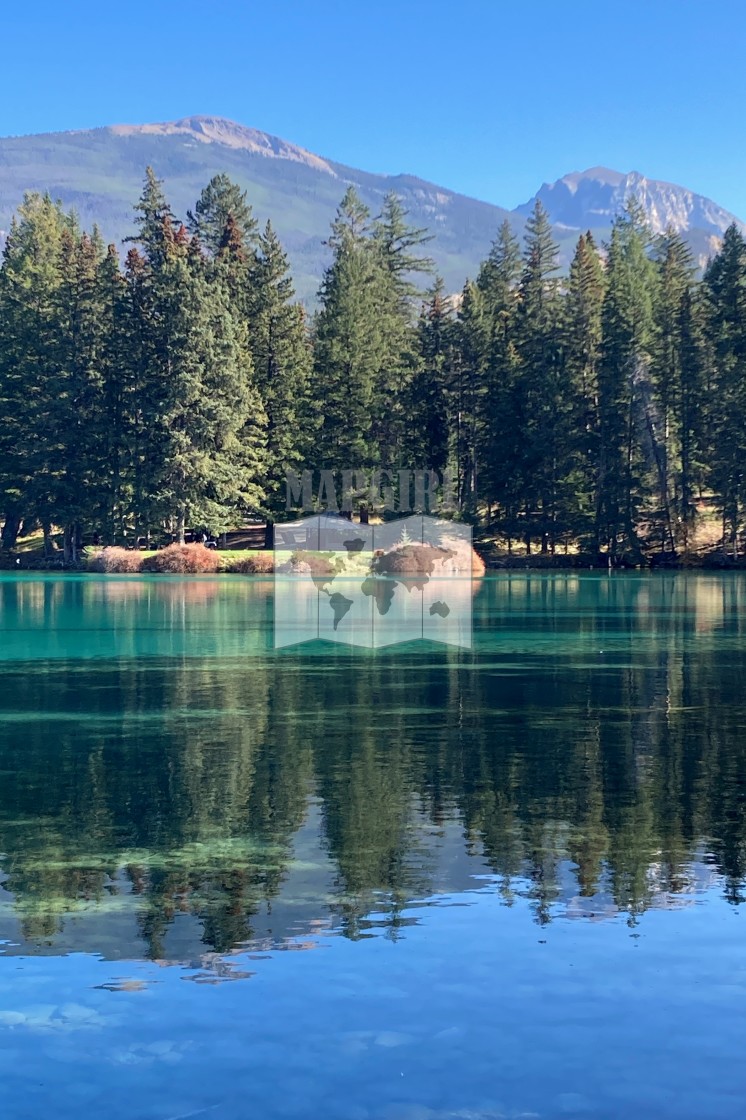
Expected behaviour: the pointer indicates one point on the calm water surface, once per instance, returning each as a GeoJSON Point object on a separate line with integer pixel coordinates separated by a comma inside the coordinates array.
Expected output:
{"type": "Point", "coordinates": [410, 884]}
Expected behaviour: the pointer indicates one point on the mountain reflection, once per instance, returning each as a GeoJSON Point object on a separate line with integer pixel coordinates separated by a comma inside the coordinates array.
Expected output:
{"type": "Point", "coordinates": [163, 796]}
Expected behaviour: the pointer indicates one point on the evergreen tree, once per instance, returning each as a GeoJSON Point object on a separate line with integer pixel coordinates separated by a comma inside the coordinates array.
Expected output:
{"type": "Point", "coordinates": [200, 419]}
{"type": "Point", "coordinates": [143, 389]}
{"type": "Point", "coordinates": [500, 272]}
{"type": "Point", "coordinates": [154, 220]}
{"type": "Point", "coordinates": [76, 415]}
{"type": "Point", "coordinates": [469, 393]}
{"type": "Point", "coordinates": [349, 343]}
{"type": "Point", "coordinates": [117, 373]}
{"type": "Point", "coordinates": [220, 203]}
{"type": "Point", "coordinates": [31, 438]}
{"type": "Point", "coordinates": [675, 279]}
{"type": "Point", "coordinates": [537, 334]}
{"type": "Point", "coordinates": [429, 404]}
{"type": "Point", "coordinates": [237, 265]}
{"type": "Point", "coordinates": [397, 240]}
{"type": "Point", "coordinates": [502, 421]}
{"type": "Point", "coordinates": [581, 344]}
{"type": "Point", "coordinates": [394, 243]}
{"type": "Point", "coordinates": [725, 295]}
{"type": "Point", "coordinates": [282, 364]}
{"type": "Point", "coordinates": [628, 430]}
{"type": "Point", "coordinates": [691, 410]}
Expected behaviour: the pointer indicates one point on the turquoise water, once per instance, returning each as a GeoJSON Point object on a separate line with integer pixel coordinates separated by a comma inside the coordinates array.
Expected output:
{"type": "Point", "coordinates": [416, 883]}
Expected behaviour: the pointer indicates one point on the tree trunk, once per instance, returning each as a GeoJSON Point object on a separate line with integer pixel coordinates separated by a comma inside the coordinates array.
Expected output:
{"type": "Point", "coordinates": [735, 530]}
{"type": "Point", "coordinates": [48, 542]}
{"type": "Point", "coordinates": [70, 553]}
{"type": "Point", "coordinates": [11, 528]}
{"type": "Point", "coordinates": [180, 527]}
{"type": "Point", "coordinates": [269, 533]}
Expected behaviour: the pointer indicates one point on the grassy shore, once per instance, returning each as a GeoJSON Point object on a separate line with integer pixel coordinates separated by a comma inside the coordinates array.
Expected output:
{"type": "Point", "coordinates": [705, 552]}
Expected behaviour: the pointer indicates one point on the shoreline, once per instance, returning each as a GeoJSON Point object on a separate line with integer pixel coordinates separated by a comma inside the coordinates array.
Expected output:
{"type": "Point", "coordinates": [538, 565]}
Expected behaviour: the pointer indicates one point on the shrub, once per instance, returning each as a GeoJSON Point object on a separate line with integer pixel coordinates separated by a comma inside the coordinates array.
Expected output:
{"type": "Point", "coordinates": [256, 563]}
{"type": "Point", "coordinates": [183, 559]}
{"type": "Point", "coordinates": [114, 560]}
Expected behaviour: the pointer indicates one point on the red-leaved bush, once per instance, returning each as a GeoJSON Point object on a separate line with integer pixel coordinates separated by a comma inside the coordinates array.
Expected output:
{"type": "Point", "coordinates": [256, 563]}
{"type": "Point", "coordinates": [183, 559]}
{"type": "Point", "coordinates": [115, 560]}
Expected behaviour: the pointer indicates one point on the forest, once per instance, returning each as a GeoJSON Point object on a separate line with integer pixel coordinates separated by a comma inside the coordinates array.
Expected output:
{"type": "Point", "coordinates": [602, 411]}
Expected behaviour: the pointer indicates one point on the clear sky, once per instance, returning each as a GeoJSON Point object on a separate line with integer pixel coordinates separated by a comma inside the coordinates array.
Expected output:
{"type": "Point", "coordinates": [484, 96]}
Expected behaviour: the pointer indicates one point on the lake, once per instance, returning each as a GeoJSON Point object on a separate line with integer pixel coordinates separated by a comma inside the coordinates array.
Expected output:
{"type": "Point", "coordinates": [413, 883]}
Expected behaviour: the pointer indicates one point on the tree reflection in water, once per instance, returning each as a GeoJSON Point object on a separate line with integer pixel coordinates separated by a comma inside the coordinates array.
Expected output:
{"type": "Point", "coordinates": [170, 783]}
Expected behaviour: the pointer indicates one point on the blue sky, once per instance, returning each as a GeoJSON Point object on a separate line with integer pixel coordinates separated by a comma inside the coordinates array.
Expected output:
{"type": "Point", "coordinates": [484, 96]}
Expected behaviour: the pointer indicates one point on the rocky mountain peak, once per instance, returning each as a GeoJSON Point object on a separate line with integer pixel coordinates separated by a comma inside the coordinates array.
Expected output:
{"type": "Point", "coordinates": [591, 199]}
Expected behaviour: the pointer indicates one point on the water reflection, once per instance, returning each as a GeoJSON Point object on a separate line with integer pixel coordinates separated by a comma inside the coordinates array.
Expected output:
{"type": "Point", "coordinates": [172, 788]}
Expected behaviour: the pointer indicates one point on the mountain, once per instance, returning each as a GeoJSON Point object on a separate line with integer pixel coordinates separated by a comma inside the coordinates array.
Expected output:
{"type": "Point", "coordinates": [590, 200]}
{"type": "Point", "coordinates": [100, 172]}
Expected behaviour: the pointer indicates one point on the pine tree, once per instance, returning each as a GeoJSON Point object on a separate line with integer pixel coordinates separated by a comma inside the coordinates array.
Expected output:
{"type": "Point", "coordinates": [76, 414]}
{"type": "Point", "coordinates": [30, 440]}
{"type": "Point", "coordinates": [220, 203]}
{"type": "Point", "coordinates": [143, 389]}
{"type": "Point", "coordinates": [473, 335]}
{"type": "Point", "coordinates": [581, 344]}
{"type": "Point", "coordinates": [628, 435]}
{"type": "Point", "coordinates": [200, 421]}
{"type": "Point", "coordinates": [429, 401]}
{"type": "Point", "coordinates": [394, 244]}
{"type": "Point", "coordinates": [500, 272]}
{"type": "Point", "coordinates": [725, 295]}
{"type": "Point", "coordinates": [154, 220]}
{"type": "Point", "coordinates": [349, 346]}
{"type": "Point", "coordinates": [502, 420]}
{"type": "Point", "coordinates": [397, 240]}
{"type": "Point", "coordinates": [282, 364]}
{"type": "Point", "coordinates": [675, 278]}
{"type": "Point", "coordinates": [117, 373]}
{"type": "Point", "coordinates": [691, 410]}
{"type": "Point", "coordinates": [537, 321]}
{"type": "Point", "coordinates": [237, 264]}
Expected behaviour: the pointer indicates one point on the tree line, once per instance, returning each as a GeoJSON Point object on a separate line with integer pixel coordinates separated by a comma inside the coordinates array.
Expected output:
{"type": "Point", "coordinates": [177, 387]}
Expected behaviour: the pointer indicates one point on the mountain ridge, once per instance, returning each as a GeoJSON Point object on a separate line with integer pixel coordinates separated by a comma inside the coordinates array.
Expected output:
{"type": "Point", "coordinates": [579, 198]}
{"type": "Point", "coordinates": [99, 172]}
{"type": "Point", "coordinates": [221, 130]}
